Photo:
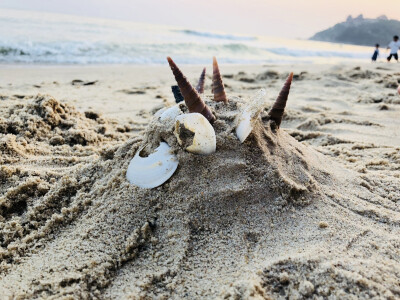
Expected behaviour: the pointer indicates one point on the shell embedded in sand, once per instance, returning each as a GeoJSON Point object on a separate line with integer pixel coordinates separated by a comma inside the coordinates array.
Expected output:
{"type": "Point", "coordinates": [153, 170]}
{"type": "Point", "coordinates": [170, 113]}
{"type": "Point", "coordinates": [398, 90]}
{"type": "Point", "coordinates": [246, 118]}
{"type": "Point", "coordinates": [195, 130]}
{"type": "Point", "coordinates": [278, 108]}
{"type": "Point", "coordinates": [192, 98]}
{"type": "Point", "coordinates": [217, 84]}
{"type": "Point", "coordinates": [202, 79]}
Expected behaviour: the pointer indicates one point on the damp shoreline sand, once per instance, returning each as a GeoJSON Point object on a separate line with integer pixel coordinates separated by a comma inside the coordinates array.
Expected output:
{"type": "Point", "coordinates": [327, 226]}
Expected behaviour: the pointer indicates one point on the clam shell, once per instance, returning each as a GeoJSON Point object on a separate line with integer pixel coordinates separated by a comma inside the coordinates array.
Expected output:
{"type": "Point", "coordinates": [249, 114]}
{"type": "Point", "coordinates": [170, 113]}
{"type": "Point", "coordinates": [153, 170]}
{"type": "Point", "coordinates": [203, 141]}
{"type": "Point", "coordinates": [159, 112]}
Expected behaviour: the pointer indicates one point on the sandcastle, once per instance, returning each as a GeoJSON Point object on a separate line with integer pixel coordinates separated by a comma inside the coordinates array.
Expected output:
{"type": "Point", "coordinates": [192, 125]}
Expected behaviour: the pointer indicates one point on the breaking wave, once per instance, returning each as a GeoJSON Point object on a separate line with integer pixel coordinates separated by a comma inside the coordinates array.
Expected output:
{"type": "Point", "coordinates": [218, 36]}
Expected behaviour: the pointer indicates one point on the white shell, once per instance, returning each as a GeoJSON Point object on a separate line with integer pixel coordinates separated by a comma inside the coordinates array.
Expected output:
{"type": "Point", "coordinates": [249, 114]}
{"type": "Point", "coordinates": [159, 112]}
{"type": "Point", "coordinates": [152, 171]}
{"type": "Point", "coordinates": [204, 140]}
{"type": "Point", "coordinates": [170, 113]}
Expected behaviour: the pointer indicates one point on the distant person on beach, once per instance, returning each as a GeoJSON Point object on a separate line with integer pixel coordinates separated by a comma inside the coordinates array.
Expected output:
{"type": "Point", "coordinates": [394, 47]}
{"type": "Point", "coordinates": [376, 53]}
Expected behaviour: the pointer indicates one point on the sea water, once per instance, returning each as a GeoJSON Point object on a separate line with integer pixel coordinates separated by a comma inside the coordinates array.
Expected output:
{"type": "Point", "coordinates": [46, 38]}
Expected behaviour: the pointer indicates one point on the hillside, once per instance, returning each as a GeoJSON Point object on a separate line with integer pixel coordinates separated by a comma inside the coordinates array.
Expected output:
{"type": "Point", "coordinates": [361, 31]}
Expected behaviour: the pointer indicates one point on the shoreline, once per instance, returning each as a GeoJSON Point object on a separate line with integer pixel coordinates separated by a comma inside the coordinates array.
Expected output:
{"type": "Point", "coordinates": [361, 62]}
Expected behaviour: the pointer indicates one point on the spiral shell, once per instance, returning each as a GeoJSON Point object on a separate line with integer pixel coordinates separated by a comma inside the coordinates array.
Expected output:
{"type": "Point", "coordinates": [192, 98]}
{"type": "Point", "coordinates": [200, 84]}
{"type": "Point", "coordinates": [217, 84]}
{"type": "Point", "coordinates": [278, 108]}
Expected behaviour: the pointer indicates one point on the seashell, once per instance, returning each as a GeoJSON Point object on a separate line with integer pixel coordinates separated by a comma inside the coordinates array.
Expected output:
{"type": "Point", "coordinates": [217, 84]}
{"type": "Point", "coordinates": [195, 133]}
{"type": "Point", "coordinates": [192, 98]}
{"type": "Point", "coordinates": [398, 90]}
{"type": "Point", "coordinates": [246, 119]}
{"type": "Point", "coordinates": [170, 113]}
{"type": "Point", "coordinates": [200, 84]}
{"type": "Point", "coordinates": [160, 112]}
{"type": "Point", "coordinates": [153, 170]}
{"type": "Point", "coordinates": [278, 108]}
{"type": "Point", "coordinates": [177, 93]}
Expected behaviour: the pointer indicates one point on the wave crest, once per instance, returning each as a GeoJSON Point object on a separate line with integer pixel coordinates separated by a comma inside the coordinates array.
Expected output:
{"type": "Point", "coordinates": [4, 51]}
{"type": "Point", "coordinates": [217, 35]}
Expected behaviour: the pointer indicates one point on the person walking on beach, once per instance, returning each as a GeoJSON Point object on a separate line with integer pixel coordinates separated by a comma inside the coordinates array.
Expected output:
{"type": "Point", "coordinates": [394, 47]}
{"type": "Point", "coordinates": [376, 53]}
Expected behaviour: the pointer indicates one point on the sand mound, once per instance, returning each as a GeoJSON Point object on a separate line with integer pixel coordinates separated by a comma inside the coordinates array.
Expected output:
{"type": "Point", "coordinates": [45, 119]}
{"type": "Point", "coordinates": [267, 218]}
{"type": "Point", "coordinates": [41, 141]}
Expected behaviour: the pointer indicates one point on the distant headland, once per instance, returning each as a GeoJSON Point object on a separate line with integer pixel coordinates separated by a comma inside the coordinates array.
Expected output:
{"type": "Point", "coordinates": [361, 31]}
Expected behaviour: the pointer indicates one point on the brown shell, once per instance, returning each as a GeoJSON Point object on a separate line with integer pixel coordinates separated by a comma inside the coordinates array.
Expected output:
{"type": "Point", "coordinates": [217, 84]}
{"type": "Point", "coordinates": [277, 110]}
{"type": "Point", "coordinates": [200, 85]}
{"type": "Point", "coordinates": [192, 98]}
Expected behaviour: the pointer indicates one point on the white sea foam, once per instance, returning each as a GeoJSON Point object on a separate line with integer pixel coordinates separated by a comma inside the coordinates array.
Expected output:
{"type": "Point", "coordinates": [32, 37]}
{"type": "Point", "coordinates": [217, 35]}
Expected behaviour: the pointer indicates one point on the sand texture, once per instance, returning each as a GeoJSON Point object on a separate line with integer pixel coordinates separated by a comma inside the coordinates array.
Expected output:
{"type": "Point", "coordinates": [306, 211]}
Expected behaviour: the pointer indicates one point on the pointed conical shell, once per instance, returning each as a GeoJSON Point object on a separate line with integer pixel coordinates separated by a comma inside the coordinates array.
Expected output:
{"type": "Point", "coordinates": [249, 114]}
{"type": "Point", "coordinates": [217, 84]}
{"type": "Point", "coordinates": [200, 85]}
{"type": "Point", "coordinates": [153, 170]}
{"type": "Point", "coordinates": [278, 108]}
{"type": "Point", "coordinates": [192, 98]}
{"type": "Point", "coordinates": [204, 139]}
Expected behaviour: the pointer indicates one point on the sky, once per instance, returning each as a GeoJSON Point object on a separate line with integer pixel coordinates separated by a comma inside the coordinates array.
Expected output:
{"type": "Point", "coordinates": [282, 18]}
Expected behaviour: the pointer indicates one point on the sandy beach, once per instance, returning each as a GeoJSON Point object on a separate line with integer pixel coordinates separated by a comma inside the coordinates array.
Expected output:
{"type": "Point", "coordinates": [306, 211]}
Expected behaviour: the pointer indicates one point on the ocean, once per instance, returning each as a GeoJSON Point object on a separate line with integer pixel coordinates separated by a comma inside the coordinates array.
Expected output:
{"type": "Point", "coordinates": [46, 38]}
